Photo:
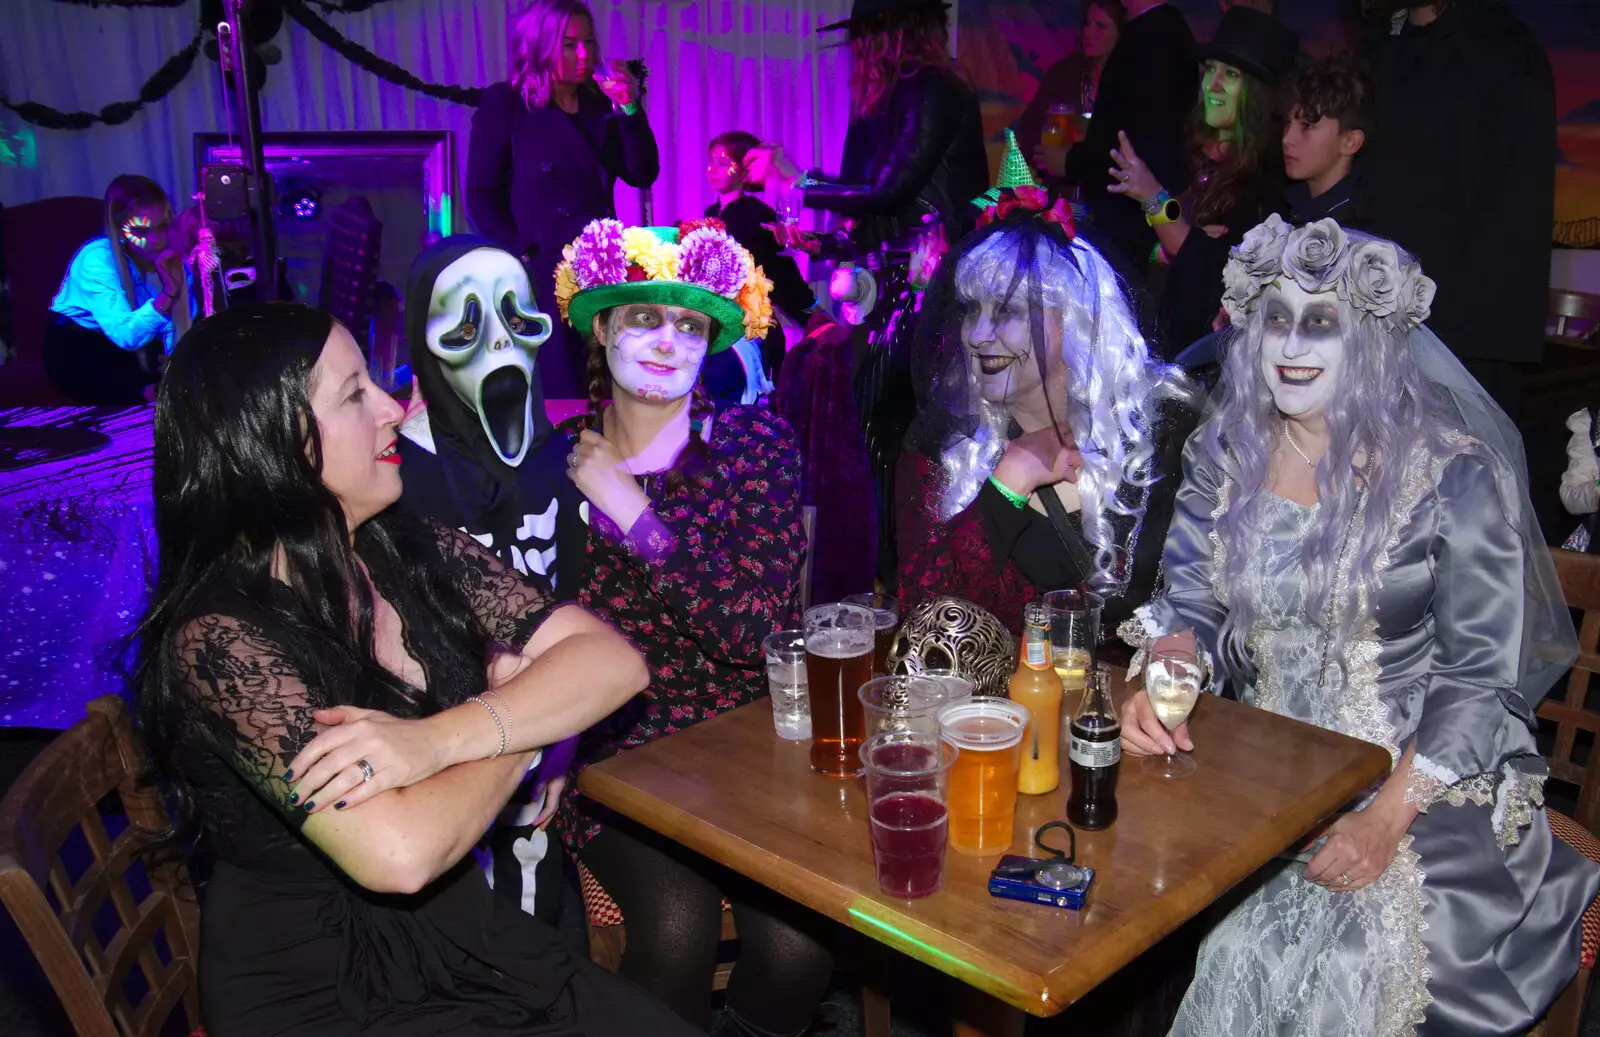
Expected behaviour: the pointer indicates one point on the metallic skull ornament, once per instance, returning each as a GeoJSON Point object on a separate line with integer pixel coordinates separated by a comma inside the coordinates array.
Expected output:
{"type": "Point", "coordinates": [953, 634]}
{"type": "Point", "coordinates": [486, 330]}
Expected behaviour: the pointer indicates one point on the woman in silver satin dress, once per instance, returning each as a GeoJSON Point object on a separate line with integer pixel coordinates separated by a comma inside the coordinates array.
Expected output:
{"type": "Point", "coordinates": [1354, 545]}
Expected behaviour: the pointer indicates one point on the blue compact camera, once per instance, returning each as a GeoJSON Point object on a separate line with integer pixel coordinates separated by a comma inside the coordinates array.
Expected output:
{"type": "Point", "coordinates": [1053, 880]}
{"type": "Point", "coordinates": [1034, 881]}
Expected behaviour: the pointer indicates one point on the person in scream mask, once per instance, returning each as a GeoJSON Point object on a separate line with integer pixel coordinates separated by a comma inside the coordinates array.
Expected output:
{"type": "Point", "coordinates": [479, 456]}
{"type": "Point", "coordinates": [1354, 546]}
{"type": "Point", "coordinates": [1045, 449]}
{"type": "Point", "coordinates": [695, 546]}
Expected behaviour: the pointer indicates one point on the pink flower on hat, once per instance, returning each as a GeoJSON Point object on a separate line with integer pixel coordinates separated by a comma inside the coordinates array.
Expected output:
{"type": "Point", "coordinates": [711, 259]}
{"type": "Point", "coordinates": [597, 256]}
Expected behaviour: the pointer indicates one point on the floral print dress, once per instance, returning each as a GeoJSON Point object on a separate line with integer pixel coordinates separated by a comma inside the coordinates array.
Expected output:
{"type": "Point", "coordinates": [700, 580]}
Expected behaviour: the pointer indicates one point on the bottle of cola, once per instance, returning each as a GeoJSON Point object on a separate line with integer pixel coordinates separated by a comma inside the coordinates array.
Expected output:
{"type": "Point", "coordinates": [1095, 751]}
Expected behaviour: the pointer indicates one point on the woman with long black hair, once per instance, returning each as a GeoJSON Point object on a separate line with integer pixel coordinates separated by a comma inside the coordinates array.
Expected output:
{"type": "Point", "coordinates": [312, 682]}
{"type": "Point", "coordinates": [1236, 156]}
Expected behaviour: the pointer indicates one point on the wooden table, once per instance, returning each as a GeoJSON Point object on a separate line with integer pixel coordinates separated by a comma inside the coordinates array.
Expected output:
{"type": "Point", "coordinates": [732, 790]}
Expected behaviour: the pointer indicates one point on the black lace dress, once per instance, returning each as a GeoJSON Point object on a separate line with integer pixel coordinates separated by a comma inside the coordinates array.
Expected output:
{"type": "Point", "coordinates": [289, 944]}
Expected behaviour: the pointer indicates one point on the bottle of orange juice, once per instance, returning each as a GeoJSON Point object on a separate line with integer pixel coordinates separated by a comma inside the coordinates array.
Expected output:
{"type": "Point", "coordinates": [1036, 686]}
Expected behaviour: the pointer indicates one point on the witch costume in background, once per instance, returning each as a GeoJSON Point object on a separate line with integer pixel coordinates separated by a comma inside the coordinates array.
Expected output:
{"type": "Point", "coordinates": [481, 457]}
{"type": "Point", "coordinates": [1127, 413]}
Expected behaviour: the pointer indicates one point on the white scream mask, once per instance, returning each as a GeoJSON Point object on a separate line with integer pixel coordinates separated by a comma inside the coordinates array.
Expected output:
{"type": "Point", "coordinates": [486, 331]}
{"type": "Point", "coordinates": [1302, 347]}
{"type": "Point", "coordinates": [655, 352]}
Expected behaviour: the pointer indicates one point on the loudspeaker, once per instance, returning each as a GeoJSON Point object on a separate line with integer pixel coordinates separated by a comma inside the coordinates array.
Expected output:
{"type": "Point", "coordinates": [224, 187]}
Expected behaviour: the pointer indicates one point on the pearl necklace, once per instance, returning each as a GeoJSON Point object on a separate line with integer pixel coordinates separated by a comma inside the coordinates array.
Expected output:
{"type": "Point", "coordinates": [1290, 437]}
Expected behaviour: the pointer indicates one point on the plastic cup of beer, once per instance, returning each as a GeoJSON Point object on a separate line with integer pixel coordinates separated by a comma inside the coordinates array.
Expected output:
{"type": "Point", "coordinates": [1074, 633]}
{"type": "Point", "coordinates": [907, 778]}
{"type": "Point", "coordinates": [902, 704]}
{"type": "Point", "coordinates": [838, 662]}
{"type": "Point", "coordinates": [983, 783]}
{"type": "Point", "coordinates": [956, 685]}
{"type": "Point", "coordinates": [886, 611]}
{"type": "Point", "coordinates": [786, 683]}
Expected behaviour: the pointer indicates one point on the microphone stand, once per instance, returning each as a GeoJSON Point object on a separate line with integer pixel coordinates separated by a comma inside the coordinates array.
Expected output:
{"type": "Point", "coordinates": [232, 48]}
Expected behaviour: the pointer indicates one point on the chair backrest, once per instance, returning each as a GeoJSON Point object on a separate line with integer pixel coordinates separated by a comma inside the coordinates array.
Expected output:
{"type": "Point", "coordinates": [1569, 709]}
{"type": "Point", "coordinates": [116, 935]}
{"type": "Point", "coordinates": [808, 522]}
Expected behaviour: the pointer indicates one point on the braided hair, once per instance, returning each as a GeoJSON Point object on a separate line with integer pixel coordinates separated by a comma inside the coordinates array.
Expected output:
{"type": "Point", "coordinates": [696, 453]}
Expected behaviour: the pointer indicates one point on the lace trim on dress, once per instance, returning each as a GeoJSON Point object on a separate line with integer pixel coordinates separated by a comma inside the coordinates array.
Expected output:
{"type": "Point", "coordinates": [1521, 795]}
{"type": "Point", "coordinates": [1403, 1003]}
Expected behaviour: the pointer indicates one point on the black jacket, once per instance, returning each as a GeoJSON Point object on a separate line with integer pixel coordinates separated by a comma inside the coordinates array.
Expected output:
{"type": "Point", "coordinates": [1149, 85]}
{"type": "Point", "coordinates": [1346, 202]}
{"type": "Point", "coordinates": [1462, 172]}
{"type": "Point", "coordinates": [536, 177]}
{"type": "Point", "coordinates": [922, 154]}
{"type": "Point", "coordinates": [748, 219]}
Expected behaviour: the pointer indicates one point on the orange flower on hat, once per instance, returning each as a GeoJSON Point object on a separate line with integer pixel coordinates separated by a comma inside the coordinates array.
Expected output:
{"type": "Point", "coordinates": [755, 299]}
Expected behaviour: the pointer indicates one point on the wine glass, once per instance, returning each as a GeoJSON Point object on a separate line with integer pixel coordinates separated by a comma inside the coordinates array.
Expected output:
{"type": "Point", "coordinates": [1173, 680]}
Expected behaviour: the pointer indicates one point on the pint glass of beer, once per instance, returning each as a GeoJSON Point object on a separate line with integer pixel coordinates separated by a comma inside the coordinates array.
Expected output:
{"type": "Point", "coordinates": [887, 613]}
{"type": "Point", "coordinates": [983, 783]}
{"type": "Point", "coordinates": [838, 661]}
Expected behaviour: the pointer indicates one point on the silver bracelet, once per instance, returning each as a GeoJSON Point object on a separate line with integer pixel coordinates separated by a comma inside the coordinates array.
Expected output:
{"type": "Point", "coordinates": [506, 708]}
{"type": "Point", "coordinates": [495, 714]}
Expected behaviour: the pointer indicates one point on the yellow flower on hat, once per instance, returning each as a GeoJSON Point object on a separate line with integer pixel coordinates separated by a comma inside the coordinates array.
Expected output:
{"type": "Point", "coordinates": [566, 286]}
{"type": "Point", "coordinates": [645, 249]}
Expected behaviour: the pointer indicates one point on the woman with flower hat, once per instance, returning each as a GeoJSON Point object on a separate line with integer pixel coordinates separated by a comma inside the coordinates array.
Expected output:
{"type": "Point", "coordinates": [1354, 546]}
{"type": "Point", "coordinates": [1045, 450]}
{"type": "Point", "coordinates": [694, 552]}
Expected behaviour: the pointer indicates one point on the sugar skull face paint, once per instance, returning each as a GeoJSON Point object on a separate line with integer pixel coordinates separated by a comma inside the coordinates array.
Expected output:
{"type": "Point", "coordinates": [655, 352]}
{"type": "Point", "coordinates": [486, 330]}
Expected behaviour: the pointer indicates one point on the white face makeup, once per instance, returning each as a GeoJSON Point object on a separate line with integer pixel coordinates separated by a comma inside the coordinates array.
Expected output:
{"type": "Point", "coordinates": [998, 337]}
{"type": "Point", "coordinates": [655, 352]}
{"type": "Point", "coordinates": [1302, 348]}
{"type": "Point", "coordinates": [486, 330]}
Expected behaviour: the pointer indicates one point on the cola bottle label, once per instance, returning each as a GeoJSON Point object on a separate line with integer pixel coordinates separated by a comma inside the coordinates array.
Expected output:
{"type": "Point", "coordinates": [1094, 755]}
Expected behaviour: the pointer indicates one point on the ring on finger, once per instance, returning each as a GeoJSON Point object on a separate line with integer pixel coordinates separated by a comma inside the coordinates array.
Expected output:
{"type": "Point", "coordinates": [572, 459]}
{"type": "Point", "coordinates": [1344, 878]}
{"type": "Point", "coordinates": [366, 771]}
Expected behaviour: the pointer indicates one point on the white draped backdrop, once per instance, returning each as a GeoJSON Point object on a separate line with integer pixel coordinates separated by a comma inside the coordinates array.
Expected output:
{"type": "Point", "coordinates": [715, 65]}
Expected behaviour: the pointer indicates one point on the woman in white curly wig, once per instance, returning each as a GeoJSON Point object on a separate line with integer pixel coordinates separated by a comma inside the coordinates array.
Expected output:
{"type": "Point", "coordinates": [1045, 450]}
{"type": "Point", "coordinates": [1353, 542]}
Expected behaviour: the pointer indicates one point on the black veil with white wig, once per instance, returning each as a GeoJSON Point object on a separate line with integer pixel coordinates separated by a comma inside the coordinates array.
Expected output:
{"type": "Point", "coordinates": [1115, 390]}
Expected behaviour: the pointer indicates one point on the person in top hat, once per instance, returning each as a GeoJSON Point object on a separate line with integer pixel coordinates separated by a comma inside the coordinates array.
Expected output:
{"type": "Point", "coordinates": [694, 555]}
{"type": "Point", "coordinates": [1235, 140]}
{"type": "Point", "coordinates": [913, 158]}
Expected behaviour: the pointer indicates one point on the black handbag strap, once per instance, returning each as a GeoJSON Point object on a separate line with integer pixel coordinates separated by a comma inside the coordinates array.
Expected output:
{"type": "Point", "coordinates": [1071, 536]}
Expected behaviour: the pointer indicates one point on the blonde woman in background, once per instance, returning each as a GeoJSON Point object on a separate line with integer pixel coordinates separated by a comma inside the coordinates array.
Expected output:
{"type": "Point", "coordinates": [546, 151]}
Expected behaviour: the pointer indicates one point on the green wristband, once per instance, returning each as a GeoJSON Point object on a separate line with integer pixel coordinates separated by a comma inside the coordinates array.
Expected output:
{"type": "Point", "coordinates": [631, 109]}
{"type": "Point", "coordinates": [1018, 500]}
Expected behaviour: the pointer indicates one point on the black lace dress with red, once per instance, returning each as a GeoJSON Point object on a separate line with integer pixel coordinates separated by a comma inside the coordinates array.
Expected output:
{"type": "Point", "coordinates": [1000, 557]}
{"type": "Point", "coordinates": [289, 943]}
{"type": "Point", "coordinates": [700, 580]}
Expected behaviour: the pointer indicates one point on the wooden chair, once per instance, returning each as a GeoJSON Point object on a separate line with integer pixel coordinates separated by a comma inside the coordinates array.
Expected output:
{"type": "Point", "coordinates": [1570, 714]}
{"type": "Point", "coordinates": [120, 962]}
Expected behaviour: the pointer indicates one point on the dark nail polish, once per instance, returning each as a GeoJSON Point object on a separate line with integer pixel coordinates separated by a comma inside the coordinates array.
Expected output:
{"type": "Point", "coordinates": [309, 805]}
{"type": "Point", "coordinates": [288, 776]}
{"type": "Point", "coordinates": [294, 799]}
{"type": "Point", "coordinates": [339, 805]}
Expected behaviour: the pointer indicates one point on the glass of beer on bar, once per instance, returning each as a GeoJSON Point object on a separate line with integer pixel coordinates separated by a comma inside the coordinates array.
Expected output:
{"type": "Point", "coordinates": [838, 661]}
{"type": "Point", "coordinates": [983, 783]}
{"type": "Point", "coordinates": [1074, 632]}
{"type": "Point", "coordinates": [887, 613]}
